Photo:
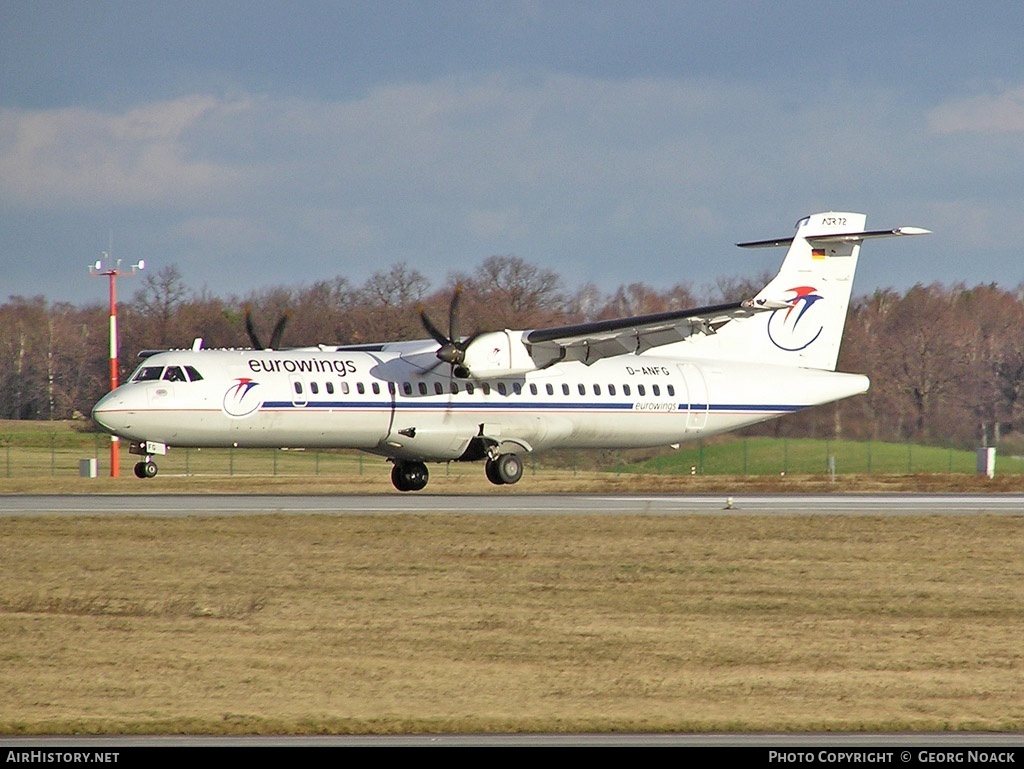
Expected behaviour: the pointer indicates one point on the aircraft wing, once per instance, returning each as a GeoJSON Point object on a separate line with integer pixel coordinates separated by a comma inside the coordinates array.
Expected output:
{"type": "Point", "coordinates": [590, 342]}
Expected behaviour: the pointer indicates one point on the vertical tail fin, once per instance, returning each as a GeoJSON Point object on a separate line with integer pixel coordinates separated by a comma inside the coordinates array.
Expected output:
{"type": "Point", "coordinates": [806, 302]}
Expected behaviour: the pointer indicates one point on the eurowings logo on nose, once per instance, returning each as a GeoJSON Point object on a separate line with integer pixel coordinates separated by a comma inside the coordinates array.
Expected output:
{"type": "Point", "coordinates": [785, 328]}
{"type": "Point", "coordinates": [237, 400]}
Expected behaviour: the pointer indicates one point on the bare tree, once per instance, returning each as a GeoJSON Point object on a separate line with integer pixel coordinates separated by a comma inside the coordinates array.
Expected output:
{"type": "Point", "coordinates": [513, 293]}
{"type": "Point", "coordinates": [391, 300]}
{"type": "Point", "coordinates": [157, 302]}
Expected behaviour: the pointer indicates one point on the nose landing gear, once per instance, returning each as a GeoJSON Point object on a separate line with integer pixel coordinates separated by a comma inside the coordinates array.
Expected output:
{"type": "Point", "coordinates": [147, 469]}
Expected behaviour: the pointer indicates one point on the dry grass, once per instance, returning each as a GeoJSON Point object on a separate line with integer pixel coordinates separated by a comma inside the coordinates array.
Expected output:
{"type": "Point", "coordinates": [411, 623]}
{"type": "Point", "coordinates": [469, 479]}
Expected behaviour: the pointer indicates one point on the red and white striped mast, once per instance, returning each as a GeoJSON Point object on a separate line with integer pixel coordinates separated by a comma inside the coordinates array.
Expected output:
{"type": "Point", "coordinates": [112, 269]}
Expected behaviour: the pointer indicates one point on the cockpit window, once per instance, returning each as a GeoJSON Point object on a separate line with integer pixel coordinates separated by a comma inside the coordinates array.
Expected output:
{"type": "Point", "coordinates": [148, 374]}
{"type": "Point", "coordinates": [174, 374]}
{"type": "Point", "coordinates": [168, 374]}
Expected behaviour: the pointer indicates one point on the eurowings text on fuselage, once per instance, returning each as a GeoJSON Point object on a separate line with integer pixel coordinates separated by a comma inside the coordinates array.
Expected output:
{"type": "Point", "coordinates": [632, 383]}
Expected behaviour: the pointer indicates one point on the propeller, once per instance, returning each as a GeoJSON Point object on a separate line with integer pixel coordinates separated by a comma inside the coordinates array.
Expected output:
{"type": "Point", "coordinates": [275, 336]}
{"type": "Point", "coordinates": [452, 349]}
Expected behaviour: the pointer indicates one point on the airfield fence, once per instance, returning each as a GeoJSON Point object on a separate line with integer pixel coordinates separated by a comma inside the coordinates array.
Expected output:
{"type": "Point", "coordinates": [59, 454]}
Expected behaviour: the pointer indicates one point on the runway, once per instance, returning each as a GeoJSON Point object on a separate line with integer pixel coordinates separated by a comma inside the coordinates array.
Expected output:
{"type": "Point", "coordinates": [512, 504]}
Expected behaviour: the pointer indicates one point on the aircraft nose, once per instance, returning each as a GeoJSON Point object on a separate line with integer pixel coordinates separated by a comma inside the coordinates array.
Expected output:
{"type": "Point", "coordinates": [110, 413]}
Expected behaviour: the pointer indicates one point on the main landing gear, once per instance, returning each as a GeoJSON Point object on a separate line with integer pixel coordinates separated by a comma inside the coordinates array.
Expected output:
{"type": "Point", "coordinates": [504, 468]}
{"type": "Point", "coordinates": [412, 476]}
{"type": "Point", "coordinates": [409, 476]}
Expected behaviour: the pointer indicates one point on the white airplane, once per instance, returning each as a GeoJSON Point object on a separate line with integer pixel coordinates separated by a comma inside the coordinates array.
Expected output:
{"type": "Point", "coordinates": [639, 382]}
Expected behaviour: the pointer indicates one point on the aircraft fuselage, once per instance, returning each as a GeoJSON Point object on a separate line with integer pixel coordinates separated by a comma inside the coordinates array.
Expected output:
{"type": "Point", "coordinates": [383, 403]}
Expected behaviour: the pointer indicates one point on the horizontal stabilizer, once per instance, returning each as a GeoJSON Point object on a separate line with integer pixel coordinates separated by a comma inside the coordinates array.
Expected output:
{"type": "Point", "coordinates": [839, 237]}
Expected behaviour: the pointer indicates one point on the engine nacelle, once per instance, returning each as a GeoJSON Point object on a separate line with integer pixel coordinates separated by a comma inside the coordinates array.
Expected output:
{"type": "Point", "coordinates": [496, 354]}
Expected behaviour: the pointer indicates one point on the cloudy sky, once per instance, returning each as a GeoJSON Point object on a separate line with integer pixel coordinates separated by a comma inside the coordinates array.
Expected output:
{"type": "Point", "coordinates": [253, 144]}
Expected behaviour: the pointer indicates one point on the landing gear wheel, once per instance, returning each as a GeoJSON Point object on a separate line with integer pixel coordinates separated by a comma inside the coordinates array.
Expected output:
{"type": "Point", "coordinates": [507, 468]}
{"type": "Point", "coordinates": [491, 470]}
{"type": "Point", "coordinates": [409, 476]}
{"type": "Point", "coordinates": [146, 469]}
{"type": "Point", "coordinates": [510, 468]}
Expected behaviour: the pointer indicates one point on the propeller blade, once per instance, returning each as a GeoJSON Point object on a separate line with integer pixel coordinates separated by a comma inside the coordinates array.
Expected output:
{"type": "Point", "coordinates": [250, 329]}
{"type": "Point", "coordinates": [453, 314]}
{"type": "Point", "coordinates": [275, 338]}
{"type": "Point", "coordinates": [433, 330]}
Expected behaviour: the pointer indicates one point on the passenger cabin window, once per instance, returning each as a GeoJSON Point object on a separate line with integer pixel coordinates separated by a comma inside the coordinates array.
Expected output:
{"type": "Point", "coordinates": [469, 388]}
{"type": "Point", "coordinates": [438, 389]}
{"type": "Point", "coordinates": [486, 388]}
{"type": "Point", "coordinates": [454, 387]}
{"type": "Point", "coordinates": [565, 389]}
{"type": "Point", "coordinates": [656, 389]}
{"type": "Point", "coordinates": [641, 390]}
{"type": "Point", "coordinates": [360, 388]}
{"type": "Point", "coordinates": [533, 389]}
{"type": "Point", "coordinates": [625, 389]}
{"type": "Point", "coordinates": [298, 388]}
{"type": "Point", "coordinates": [423, 388]}
{"type": "Point", "coordinates": [502, 390]}
{"type": "Point", "coordinates": [597, 389]}
{"type": "Point", "coordinates": [550, 389]}
{"type": "Point", "coordinates": [330, 388]}
{"type": "Point", "coordinates": [376, 388]}
{"type": "Point", "coordinates": [314, 388]}
{"type": "Point", "coordinates": [518, 388]}
{"type": "Point", "coordinates": [611, 389]}
{"type": "Point", "coordinates": [671, 389]}
{"type": "Point", "coordinates": [407, 388]}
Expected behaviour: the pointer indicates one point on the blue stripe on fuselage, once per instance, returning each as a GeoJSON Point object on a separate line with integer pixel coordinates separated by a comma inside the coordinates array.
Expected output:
{"type": "Point", "coordinates": [417, 405]}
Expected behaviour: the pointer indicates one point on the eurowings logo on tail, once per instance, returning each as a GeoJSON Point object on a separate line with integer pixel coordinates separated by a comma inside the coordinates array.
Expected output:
{"type": "Point", "coordinates": [785, 328]}
{"type": "Point", "coordinates": [238, 402]}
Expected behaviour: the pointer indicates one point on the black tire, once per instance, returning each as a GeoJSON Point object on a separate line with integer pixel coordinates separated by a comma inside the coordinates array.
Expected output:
{"type": "Point", "coordinates": [398, 477]}
{"type": "Point", "coordinates": [409, 476]}
{"type": "Point", "coordinates": [491, 469]}
{"type": "Point", "coordinates": [149, 469]}
{"type": "Point", "coordinates": [416, 476]}
{"type": "Point", "coordinates": [140, 469]}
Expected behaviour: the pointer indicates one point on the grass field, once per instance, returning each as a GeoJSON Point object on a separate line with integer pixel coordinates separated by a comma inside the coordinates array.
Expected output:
{"type": "Point", "coordinates": [460, 623]}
